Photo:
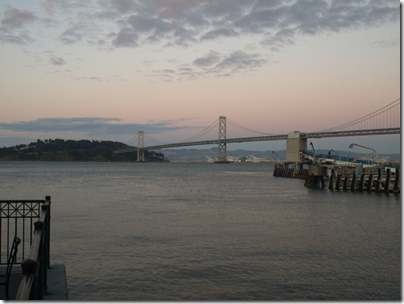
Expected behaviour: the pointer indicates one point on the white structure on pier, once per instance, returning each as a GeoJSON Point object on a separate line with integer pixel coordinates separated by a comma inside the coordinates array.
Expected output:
{"type": "Point", "coordinates": [294, 144]}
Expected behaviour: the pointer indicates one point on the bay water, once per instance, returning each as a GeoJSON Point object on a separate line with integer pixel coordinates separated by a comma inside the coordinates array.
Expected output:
{"type": "Point", "coordinates": [205, 231]}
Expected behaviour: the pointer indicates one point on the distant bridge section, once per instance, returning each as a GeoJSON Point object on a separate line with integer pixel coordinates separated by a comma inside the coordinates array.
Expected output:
{"type": "Point", "coordinates": [268, 138]}
{"type": "Point", "coordinates": [383, 121]}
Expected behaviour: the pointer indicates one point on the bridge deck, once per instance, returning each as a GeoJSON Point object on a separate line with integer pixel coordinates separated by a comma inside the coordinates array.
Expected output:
{"type": "Point", "coordinates": [268, 138]}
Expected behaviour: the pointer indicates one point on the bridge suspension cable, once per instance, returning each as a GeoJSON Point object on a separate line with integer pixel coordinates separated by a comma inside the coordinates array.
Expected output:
{"type": "Point", "coordinates": [203, 132]}
{"type": "Point", "coordinates": [383, 117]}
{"type": "Point", "coordinates": [154, 140]}
{"type": "Point", "coordinates": [244, 128]}
{"type": "Point", "coordinates": [133, 140]}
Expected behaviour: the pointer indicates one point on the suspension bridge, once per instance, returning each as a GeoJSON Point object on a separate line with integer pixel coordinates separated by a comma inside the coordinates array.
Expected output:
{"type": "Point", "coordinates": [385, 120]}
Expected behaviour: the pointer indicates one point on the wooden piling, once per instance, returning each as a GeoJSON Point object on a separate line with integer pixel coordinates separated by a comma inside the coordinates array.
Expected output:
{"type": "Point", "coordinates": [361, 182]}
{"type": "Point", "coordinates": [397, 177]}
{"type": "Point", "coordinates": [338, 182]}
{"type": "Point", "coordinates": [379, 179]}
{"type": "Point", "coordinates": [387, 182]}
{"type": "Point", "coordinates": [346, 182]}
{"type": "Point", "coordinates": [369, 186]}
{"type": "Point", "coordinates": [322, 182]}
{"type": "Point", "coordinates": [353, 182]}
{"type": "Point", "coordinates": [331, 184]}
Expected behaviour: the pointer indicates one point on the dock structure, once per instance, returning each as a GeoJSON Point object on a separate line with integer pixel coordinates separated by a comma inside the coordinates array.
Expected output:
{"type": "Point", "coordinates": [291, 169]}
{"type": "Point", "coordinates": [314, 178]}
{"type": "Point", "coordinates": [371, 180]}
{"type": "Point", "coordinates": [387, 183]}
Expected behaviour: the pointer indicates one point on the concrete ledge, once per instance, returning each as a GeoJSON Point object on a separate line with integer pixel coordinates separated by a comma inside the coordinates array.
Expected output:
{"type": "Point", "coordinates": [57, 284]}
{"type": "Point", "coordinates": [15, 278]}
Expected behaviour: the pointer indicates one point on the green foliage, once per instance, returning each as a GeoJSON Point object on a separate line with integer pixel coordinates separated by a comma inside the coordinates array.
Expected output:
{"type": "Point", "coordinates": [72, 150]}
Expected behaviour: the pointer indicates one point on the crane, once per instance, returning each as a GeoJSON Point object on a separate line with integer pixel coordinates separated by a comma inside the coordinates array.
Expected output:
{"type": "Point", "coordinates": [314, 151]}
{"type": "Point", "coordinates": [353, 144]}
{"type": "Point", "coordinates": [277, 156]}
{"type": "Point", "coordinates": [329, 154]}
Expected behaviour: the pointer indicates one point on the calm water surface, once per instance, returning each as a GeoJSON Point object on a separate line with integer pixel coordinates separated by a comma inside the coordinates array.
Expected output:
{"type": "Point", "coordinates": [175, 231]}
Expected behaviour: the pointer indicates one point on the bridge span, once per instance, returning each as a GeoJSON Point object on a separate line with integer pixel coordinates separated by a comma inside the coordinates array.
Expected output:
{"type": "Point", "coordinates": [383, 121]}
{"type": "Point", "coordinates": [265, 138]}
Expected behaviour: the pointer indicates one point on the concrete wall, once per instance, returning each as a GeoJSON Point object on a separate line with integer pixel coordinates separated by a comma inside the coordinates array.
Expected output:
{"type": "Point", "coordinates": [293, 145]}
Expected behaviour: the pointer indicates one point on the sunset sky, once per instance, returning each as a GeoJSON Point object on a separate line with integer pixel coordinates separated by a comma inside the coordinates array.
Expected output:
{"type": "Point", "coordinates": [106, 69]}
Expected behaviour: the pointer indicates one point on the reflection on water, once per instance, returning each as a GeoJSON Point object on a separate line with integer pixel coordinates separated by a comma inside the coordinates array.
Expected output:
{"type": "Point", "coordinates": [170, 231]}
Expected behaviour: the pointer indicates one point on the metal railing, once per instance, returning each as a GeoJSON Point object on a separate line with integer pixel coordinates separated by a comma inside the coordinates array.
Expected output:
{"type": "Point", "coordinates": [16, 219]}
{"type": "Point", "coordinates": [33, 284]}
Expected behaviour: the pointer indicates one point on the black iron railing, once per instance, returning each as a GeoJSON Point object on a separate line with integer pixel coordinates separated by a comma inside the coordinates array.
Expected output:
{"type": "Point", "coordinates": [18, 217]}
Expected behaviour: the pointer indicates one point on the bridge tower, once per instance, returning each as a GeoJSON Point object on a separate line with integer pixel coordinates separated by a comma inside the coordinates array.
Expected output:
{"type": "Point", "coordinates": [140, 144]}
{"type": "Point", "coordinates": [222, 153]}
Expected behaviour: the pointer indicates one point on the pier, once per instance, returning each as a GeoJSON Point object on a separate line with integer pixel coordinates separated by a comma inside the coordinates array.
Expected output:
{"type": "Point", "coordinates": [25, 246]}
{"type": "Point", "coordinates": [380, 179]}
{"type": "Point", "coordinates": [291, 169]}
{"type": "Point", "coordinates": [376, 180]}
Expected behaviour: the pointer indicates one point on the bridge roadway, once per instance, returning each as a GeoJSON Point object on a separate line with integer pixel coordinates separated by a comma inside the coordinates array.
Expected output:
{"type": "Point", "coordinates": [269, 137]}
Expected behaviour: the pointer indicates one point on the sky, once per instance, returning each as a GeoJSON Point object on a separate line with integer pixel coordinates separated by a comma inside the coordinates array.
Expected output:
{"type": "Point", "coordinates": [106, 69]}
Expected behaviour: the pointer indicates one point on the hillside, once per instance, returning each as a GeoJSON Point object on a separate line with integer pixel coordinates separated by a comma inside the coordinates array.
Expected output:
{"type": "Point", "coordinates": [72, 150]}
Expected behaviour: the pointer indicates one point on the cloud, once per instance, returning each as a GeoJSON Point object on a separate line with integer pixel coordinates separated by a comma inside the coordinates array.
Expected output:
{"type": "Point", "coordinates": [182, 23]}
{"type": "Point", "coordinates": [71, 35]}
{"type": "Point", "coordinates": [272, 25]}
{"type": "Point", "coordinates": [209, 60]}
{"type": "Point", "coordinates": [215, 34]}
{"type": "Point", "coordinates": [385, 43]}
{"type": "Point", "coordinates": [56, 60]}
{"type": "Point", "coordinates": [95, 126]}
{"type": "Point", "coordinates": [126, 38]}
{"type": "Point", "coordinates": [232, 63]}
{"type": "Point", "coordinates": [16, 19]}
{"type": "Point", "coordinates": [124, 6]}
{"type": "Point", "coordinates": [280, 39]}
{"type": "Point", "coordinates": [240, 60]}
{"type": "Point", "coordinates": [213, 64]}
{"type": "Point", "coordinates": [51, 6]}
{"type": "Point", "coordinates": [154, 28]}
{"type": "Point", "coordinates": [21, 39]}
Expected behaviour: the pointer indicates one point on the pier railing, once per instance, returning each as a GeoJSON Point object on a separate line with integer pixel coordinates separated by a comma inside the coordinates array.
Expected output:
{"type": "Point", "coordinates": [19, 217]}
{"type": "Point", "coordinates": [16, 219]}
